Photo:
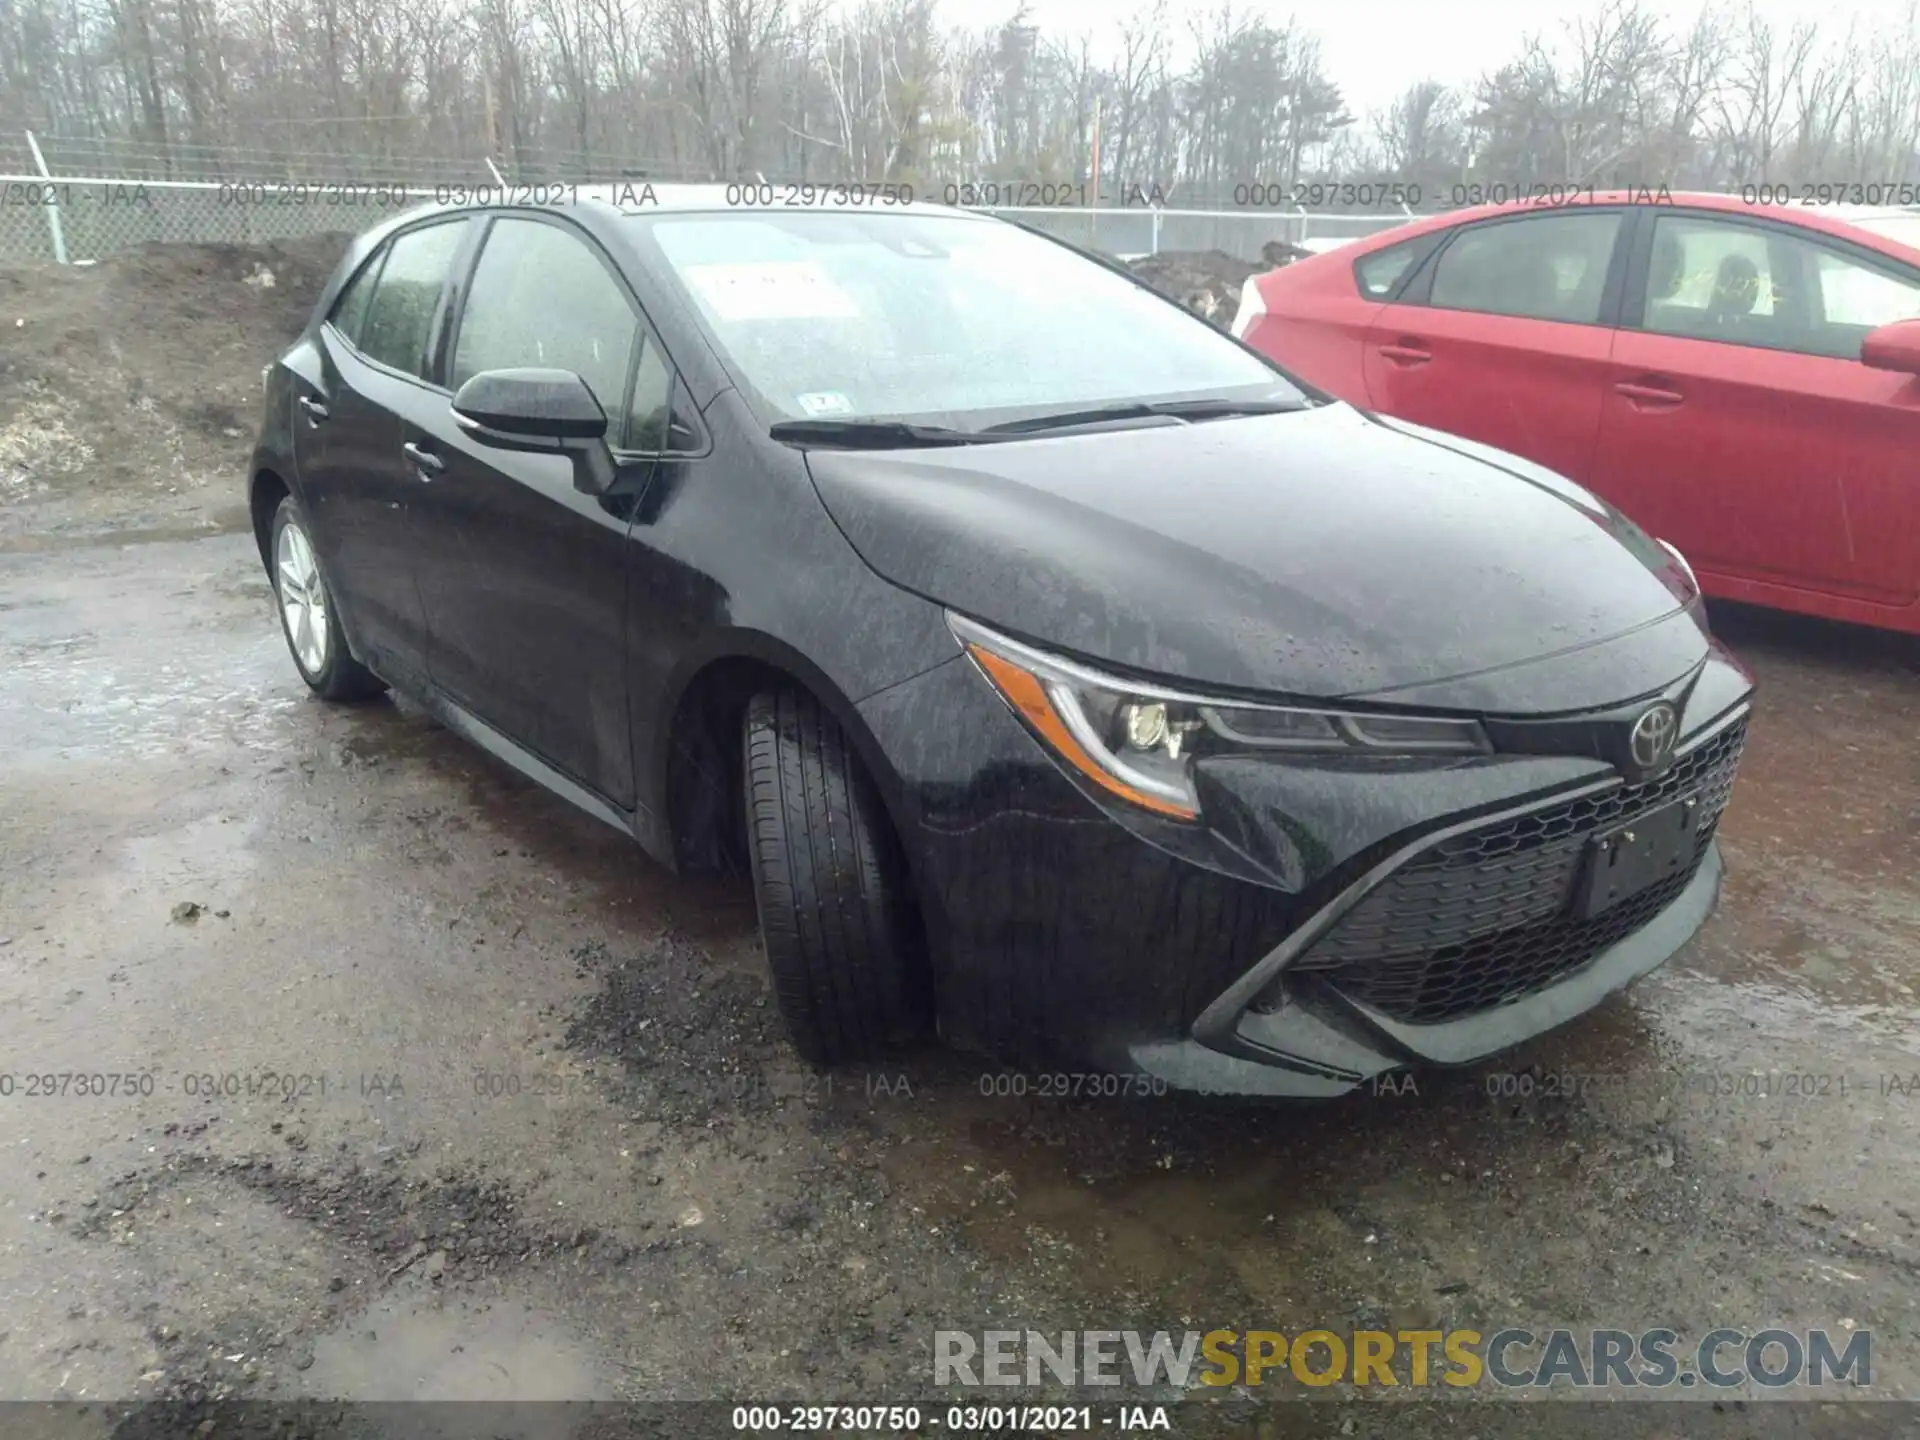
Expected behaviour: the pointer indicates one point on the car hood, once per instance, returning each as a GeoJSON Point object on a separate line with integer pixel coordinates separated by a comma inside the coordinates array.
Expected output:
{"type": "Point", "coordinates": [1325, 553]}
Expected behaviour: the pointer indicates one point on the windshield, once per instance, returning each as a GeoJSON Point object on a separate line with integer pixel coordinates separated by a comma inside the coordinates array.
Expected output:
{"type": "Point", "coordinates": [943, 319]}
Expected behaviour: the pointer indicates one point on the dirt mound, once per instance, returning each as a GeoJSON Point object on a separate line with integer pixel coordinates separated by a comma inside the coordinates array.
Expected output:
{"type": "Point", "coordinates": [130, 389]}
{"type": "Point", "coordinates": [1208, 282]}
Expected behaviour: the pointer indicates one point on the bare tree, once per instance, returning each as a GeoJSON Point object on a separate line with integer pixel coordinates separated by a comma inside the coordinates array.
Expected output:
{"type": "Point", "coordinates": [1766, 69]}
{"type": "Point", "coordinates": [1421, 137]}
{"type": "Point", "coordinates": [1213, 99]}
{"type": "Point", "coordinates": [1137, 74]}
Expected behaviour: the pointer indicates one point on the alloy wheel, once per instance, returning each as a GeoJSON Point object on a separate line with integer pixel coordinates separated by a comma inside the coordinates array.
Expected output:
{"type": "Point", "coordinates": [303, 598]}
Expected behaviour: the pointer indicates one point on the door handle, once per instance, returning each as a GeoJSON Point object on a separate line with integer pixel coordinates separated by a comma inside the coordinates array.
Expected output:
{"type": "Point", "coordinates": [1407, 352]}
{"type": "Point", "coordinates": [316, 412]}
{"type": "Point", "coordinates": [1653, 395]}
{"type": "Point", "coordinates": [428, 463]}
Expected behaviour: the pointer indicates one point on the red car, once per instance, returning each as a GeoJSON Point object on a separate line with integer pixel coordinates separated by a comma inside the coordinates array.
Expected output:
{"type": "Point", "coordinates": [1743, 380]}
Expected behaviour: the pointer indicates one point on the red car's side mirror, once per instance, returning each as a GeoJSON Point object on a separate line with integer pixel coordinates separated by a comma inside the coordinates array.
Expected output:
{"type": "Point", "coordinates": [1893, 347]}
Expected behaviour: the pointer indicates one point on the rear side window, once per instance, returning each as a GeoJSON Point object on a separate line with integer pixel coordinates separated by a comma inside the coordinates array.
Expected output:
{"type": "Point", "coordinates": [540, 297]}
{"type": "Point", "coordinates": [351, 308]}
{"type": "Point", "coordinates": [400, 315]}
{"type": "Point", "coordinates": [1545, 267]}
{"type": "Point", "coordinates": [1379, 272]}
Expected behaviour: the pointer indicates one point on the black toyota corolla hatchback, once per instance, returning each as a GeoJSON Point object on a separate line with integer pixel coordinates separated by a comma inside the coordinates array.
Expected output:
{"type": "Point", "coordinates": [1064, 675]}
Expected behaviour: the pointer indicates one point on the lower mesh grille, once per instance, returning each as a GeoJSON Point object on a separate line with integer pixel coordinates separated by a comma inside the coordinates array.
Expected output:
{"type": "Point", "coordinates": [1480, 919]}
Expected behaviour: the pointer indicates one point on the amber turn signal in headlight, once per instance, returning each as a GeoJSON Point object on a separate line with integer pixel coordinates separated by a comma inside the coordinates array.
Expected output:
{"type": "Point", "coordinates": [1141, 741]}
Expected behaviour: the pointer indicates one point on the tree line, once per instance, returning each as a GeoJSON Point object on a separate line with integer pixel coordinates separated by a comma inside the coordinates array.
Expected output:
{"type": "Point", "coordinates": [1199, 102]}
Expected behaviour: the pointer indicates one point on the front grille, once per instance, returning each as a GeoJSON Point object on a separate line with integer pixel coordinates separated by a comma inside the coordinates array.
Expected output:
{"type": "Point", "coordinates": [1481, 918]}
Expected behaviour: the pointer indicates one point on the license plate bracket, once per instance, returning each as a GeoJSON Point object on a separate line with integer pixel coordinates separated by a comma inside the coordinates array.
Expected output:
{"type": "Point", "coordinates": [1622, 862]}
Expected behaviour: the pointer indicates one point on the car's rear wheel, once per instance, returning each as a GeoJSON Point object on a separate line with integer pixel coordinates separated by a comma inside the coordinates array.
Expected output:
{"type": "Point", "coordinates": [830, 884]}
{"type": "Point", "coordinates": [307, 613]}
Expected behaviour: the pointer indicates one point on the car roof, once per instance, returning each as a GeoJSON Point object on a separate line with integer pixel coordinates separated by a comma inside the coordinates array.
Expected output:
{"type": "Point", "coordinates": [1902, 224]}
{"type": "Point", "coordinates": [1861, 214]}
{"type": "Point", "coordinates": [638, 196]}
{"type": "Point", "coordinates": [603, 201]}
{"type": "Point", "coordinates": [599, 202]}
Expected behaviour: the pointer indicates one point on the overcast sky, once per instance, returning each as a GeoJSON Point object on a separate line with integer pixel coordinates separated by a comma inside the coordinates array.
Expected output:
{"type": "Point", "coordinates": [1374, 49]}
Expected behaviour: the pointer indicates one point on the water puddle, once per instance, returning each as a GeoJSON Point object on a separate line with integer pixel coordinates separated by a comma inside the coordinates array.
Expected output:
{"type": "Point", "coordinates": [231, 521]}
{"type": "Point", "coordinates": [428, 1345]}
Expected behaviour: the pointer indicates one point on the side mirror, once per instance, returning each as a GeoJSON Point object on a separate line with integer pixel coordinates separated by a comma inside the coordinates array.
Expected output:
{"type": "Point", "coordinates": [547, 412]}
{"type": "Point", "coordinates": [1893, 347]}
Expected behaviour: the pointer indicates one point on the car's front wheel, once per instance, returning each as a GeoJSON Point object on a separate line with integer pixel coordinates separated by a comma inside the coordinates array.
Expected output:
{"type": "Point", "coordinates": [830, 885]}
{"type": "Point", "coordinates": [308, 616]}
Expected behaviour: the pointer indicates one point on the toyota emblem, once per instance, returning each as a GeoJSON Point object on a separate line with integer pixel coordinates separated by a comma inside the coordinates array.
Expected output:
{"type": "Point", "coordinates": [1651, 741]}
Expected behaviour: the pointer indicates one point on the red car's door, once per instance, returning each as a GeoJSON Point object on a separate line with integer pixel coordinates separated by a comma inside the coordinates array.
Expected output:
{"type": "Point", "coordinates": [1740, 424]}
{"type": "Point", "coordinates": [1506, 337]}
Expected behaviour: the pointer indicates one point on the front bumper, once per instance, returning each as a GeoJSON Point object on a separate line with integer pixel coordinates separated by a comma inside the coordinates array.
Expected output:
{"type": "Point", "coordinates": [1328, 1049]}
{"type": "Point", "coordinates": [1325, 922]}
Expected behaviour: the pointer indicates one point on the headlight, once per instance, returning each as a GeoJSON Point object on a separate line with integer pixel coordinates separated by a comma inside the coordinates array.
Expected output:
{"type": "Point", "coordinates": [1140, 741]}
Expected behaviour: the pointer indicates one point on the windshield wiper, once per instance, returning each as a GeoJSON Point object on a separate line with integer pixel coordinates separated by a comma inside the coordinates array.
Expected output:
{"type": "Point", "coordinates": [906, 435]}
{"type": "Point", "coordinates": [1215, 409]}
{"type": "Point", "coordinates": [870, 434]}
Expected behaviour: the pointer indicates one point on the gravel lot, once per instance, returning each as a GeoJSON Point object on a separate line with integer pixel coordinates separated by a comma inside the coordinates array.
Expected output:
{"type": "Point", "coordinates": [542, 1138]}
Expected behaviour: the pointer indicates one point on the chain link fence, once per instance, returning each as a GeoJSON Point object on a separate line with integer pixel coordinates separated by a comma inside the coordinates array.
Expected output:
{"type": "Point", "coordinates": [82, 219]}
{"type": "Point", "coordinates": [86, 219]}
{"type": "Point", "coordinates": [1133, 232]}
{"type": "Point", "coordinates": [324, 149]}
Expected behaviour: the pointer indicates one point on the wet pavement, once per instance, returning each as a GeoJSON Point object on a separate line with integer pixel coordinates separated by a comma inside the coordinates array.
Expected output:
{"type": "Point", "coordinates": [336, 1060]}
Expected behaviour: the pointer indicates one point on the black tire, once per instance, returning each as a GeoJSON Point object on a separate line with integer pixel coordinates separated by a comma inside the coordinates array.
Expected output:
{"type": "Point", "coordinates": [336, 675]}
{"type": "Point", "coordinates": [831, 887]}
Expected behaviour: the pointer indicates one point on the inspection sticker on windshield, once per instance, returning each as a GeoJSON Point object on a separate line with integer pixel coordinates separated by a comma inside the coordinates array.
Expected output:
{"type": "Point", "coordinates": [825, 402]}
{"type": "Point", "coordinates": [771, 290]}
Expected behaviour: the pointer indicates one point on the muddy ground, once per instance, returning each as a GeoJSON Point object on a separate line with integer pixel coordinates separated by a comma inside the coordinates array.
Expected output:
{"type": "Point", "coordinates": [434, 1089]}
{"type": "Point", "coordinates": [1208, 282]}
